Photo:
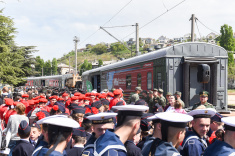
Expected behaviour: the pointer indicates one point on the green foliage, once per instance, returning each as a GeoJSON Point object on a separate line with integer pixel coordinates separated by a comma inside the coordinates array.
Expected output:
{"type": "Point", "coordinates": [116, 47]}
{"type": "Point", "coordinates": [140, 42]}
{"type": "Point", "coordinates": [15, 62]}
{"type": "Point", "coordinates": [54, 66]}
{"type": "Point", "coordinates": [99, 49]}
{"type": "Point", "coordinates": [47, 68]}
{"type": "Point", "coordinates": [100, 62]}
{"type": "Point", "coordinates": [38, 66]}
{"type": "Point", "coordinates": [85, 66]}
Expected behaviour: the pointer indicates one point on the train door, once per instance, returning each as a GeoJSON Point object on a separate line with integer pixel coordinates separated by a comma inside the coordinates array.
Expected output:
{"type": "Point", "coordinates": [96, 82]}
{"type": "Point", "coordinates": [43, 82]}
{"type": "Point", "coordinates": [195, 86]}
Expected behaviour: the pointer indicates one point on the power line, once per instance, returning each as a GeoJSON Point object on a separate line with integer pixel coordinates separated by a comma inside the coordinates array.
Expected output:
{"type": "Point", "coordinates": [107, 22]}
{"type": "Point", "coordinates": [198, 29]}
{"type": "Point", "coordinates": [208, 27]}
{"type": "Point", "coordinates": [156, 18]}
{"type": "Point", "coordinates": [120, 26]}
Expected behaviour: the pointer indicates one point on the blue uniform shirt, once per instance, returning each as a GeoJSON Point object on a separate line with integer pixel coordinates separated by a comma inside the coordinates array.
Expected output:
{"type": "Point", "coordinates": [43, 152]}
{"type": "Point", "coordinates": [109, 144]}
{"type": "Point", "coordinates": [218, 148]}
{"type": "Point", "coordinates": [166, 149]}
{"type": "Point", "coordinates": [147, 146]}
{"type": "Point", "coordinates": [193, 145]}
{"type": "Point", "coordinates": [89, 147]}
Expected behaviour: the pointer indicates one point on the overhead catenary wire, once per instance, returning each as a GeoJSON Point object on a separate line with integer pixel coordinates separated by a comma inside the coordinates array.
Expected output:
{"type": "Point", "coordinates": [106, 22]}
{"type": "Point", "coordinates": [120, 26]}
{"type": "Point", "coordinates": [208, 27]}
{"type": "Point", "coordinates": [198, 29]}
{"type": "Point", "coordinates": [156, 17]}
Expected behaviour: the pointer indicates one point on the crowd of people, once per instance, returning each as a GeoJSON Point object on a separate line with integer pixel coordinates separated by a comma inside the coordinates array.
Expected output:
{"type": "Point", "coordinates": [60, 122]}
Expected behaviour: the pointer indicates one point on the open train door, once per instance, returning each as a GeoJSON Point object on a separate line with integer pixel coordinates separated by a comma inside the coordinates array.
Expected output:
{"type": "Point", "coordinates": [96, 82]}
{"type": "Point", "coordinates": [194, 67]}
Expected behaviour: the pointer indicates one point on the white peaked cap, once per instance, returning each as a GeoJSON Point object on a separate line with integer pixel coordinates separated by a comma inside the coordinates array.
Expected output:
{"type": "Point", "coordinates": [59, 120]}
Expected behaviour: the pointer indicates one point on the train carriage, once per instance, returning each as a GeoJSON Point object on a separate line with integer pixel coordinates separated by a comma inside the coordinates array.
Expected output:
{"type": "Point", "coordinates": [187, 67]}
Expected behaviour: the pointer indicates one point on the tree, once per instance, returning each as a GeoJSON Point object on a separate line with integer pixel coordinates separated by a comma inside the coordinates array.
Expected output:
{"type": "Point", "coordinates": [47, 68]}
{"type": "Point", "coordinates": [227, 42]}
{"type": "Point", "coordinates": [85, 66]}
{"type": "Point", "coordinates": [15, 62]}
{"type": "Point", "coordinates": [54, 66]}
{"type": "Point", "coordinates": [140, 42]}
{"type": "Point", "coordinates": [39, 65]}
{"type": "Point", "coordinates": [100, 62]}
{"type": "Point", "coordinates": [99, 49]}
{"type": "Point", "coordinates": [116, 47]}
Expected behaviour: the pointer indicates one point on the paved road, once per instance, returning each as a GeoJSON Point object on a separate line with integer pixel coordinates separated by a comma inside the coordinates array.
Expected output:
{"type": "Point", "coordinates": [231, 99]}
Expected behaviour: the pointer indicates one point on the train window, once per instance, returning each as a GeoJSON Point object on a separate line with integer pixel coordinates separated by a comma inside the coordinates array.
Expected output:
{"type": "Point", "coordinates": [149, 81]}
{"type": "Point", "coordinates": [128, 82]}
{"type": "Point", "coordinates": [139, 80]}
{"type": "Point", "coordinates": [159, 79]}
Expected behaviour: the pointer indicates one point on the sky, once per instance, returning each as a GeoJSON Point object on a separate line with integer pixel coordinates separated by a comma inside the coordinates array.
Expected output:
{"type": "Point", "coordinates": [51, 25]}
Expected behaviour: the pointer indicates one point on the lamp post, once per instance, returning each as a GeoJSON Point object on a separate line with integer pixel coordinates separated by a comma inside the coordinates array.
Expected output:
{"type": "Point", "coordinates": [76, 40]}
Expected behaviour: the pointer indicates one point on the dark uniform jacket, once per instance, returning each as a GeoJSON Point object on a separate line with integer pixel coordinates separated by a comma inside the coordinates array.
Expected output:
{"type": "Point", "coordinates": [207, 105]}
{"type": "Point", "coordinates": [43, 152]}
{"type": "Point", "coordinates": [132, 149]}
{"type": "Point", "coordinates": [23, 148]}
{"type": "Point", "coordinates": [109, 144]}
{"type": "Point", "coordinates": [219, 148]}
{"type": "Point", "coordinates": [75, 151]}
{"type": "Point", "coordinates": [193, 145]}
{"type": "Point", "coordinates": [89, 147]}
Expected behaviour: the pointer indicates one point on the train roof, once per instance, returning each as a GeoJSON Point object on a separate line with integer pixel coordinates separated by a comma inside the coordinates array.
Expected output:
{"type": "Point", "coordinates": [187, 49]}
{"type": "Point", "coordinates": [49, 77]}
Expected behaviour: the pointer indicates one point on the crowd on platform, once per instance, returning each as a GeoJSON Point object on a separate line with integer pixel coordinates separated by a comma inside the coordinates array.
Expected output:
{"type": "Point", "coordinates": [59, 122]}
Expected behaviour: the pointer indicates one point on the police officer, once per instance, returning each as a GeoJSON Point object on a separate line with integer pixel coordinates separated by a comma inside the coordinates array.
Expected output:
{"type": "Point", "coordinates": [145, 96]}
{"type": "Point", "coordinates": [178, 97]}
{"type": "Point", "coordinates": [100, 122]}
{"type": "Point", "coordinates": [128, 123]}
{"type": "Point", "coordinates": [155, 95]}
{"type": "Point", "coordinates": [194, 143]}
{"type": "Point", "coordinates": [168, 94]}
{"type": "Point", "coordinates": [203, 100]}
{"type": "Point", "coordinates": [135, 97]}
{"type": "Point", "coordinates": [227, 146]}
{"type": "Point", "coordinates": [130, 144]}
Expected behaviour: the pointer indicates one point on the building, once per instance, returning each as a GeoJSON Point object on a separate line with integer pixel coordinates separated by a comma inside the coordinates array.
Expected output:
{"type": "Point", "coordinates": [95, 63]}
{"type": "Point", "coordinates": [64, 69]}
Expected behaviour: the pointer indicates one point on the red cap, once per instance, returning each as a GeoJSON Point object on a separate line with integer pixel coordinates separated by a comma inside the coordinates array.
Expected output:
{"type": "Point", "coordinates": [65, 94]}
{"type": "Point", "coordinates": [16, 103]}
{"type": "Point", "coordinates": [40, 115]}
{"type": "Point", "coordinates": [37, 97]}
{"type": "Point", "coordinates": [31, 102]}
{"type": "Point", "coordinates": [98, 94]}
{"type": "Point", "coordinates": [25, 95]}
{"type": "Point", "coordinates": [74, 98]}
{"type": "Point", "coordinates": [81, 97]}
{"type": "Point", "coordinates": [93, 94]}
{"type": "Point", "coordinates": [87, 98]}
{"type": "Point", "coordinates": [53, 97]}
{"type": "Point", "coordinates": [88, 94]}
{"type": "Point", "coordinates": [77, 94]}
{"type": "Point", "coordinates": [36, 101]}
{"type": "Point", "coordinates": [102, 96]}
{"type": "Point", "coordinates": [110, 94]}
{"type": "Point", "coordinates": [8, 101]}
{"type": "Point", "coordinates": [117, 92]}
{"type": "Point", "coordinates": [43, 100]}
{"type": "Point", "coordinates": [60, 99]}
{"type": "Point", "coordinates": [43, 97]}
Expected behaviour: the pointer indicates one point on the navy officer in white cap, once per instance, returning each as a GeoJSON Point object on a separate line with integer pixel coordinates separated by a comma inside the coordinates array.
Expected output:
{"type": "Point", "coordinates": [128, 123]}
{"type": "Point", "coordinates": [194, 143]}
{"type": "Point", "coordinates": [100, 122]}
{"type": "Point", "coordinates": [173, 132]}
{"type": "Point", "coordinates": [227, 146]}
{"type": "Point", "coordinates": [60, 129]}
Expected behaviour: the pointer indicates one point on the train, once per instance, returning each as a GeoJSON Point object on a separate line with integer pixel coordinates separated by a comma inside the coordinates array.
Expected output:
{"type": "Point", "coordinates": [188, 67]}
{"type": "Point", "coordinates": [59, 81]}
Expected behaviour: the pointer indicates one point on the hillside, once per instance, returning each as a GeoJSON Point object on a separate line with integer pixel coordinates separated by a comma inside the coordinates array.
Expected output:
{"type": "Point", "coordinates": [115, 52]}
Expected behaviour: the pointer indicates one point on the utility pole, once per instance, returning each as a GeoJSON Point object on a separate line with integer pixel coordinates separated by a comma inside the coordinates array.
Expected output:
{"type": "Point", "coordinates": [137, 39]}
{"type": "Point", "coordinates": [76, 40]}
{"type": "Point", "coordinates": [192, 27]}
{"type": "Point", "coordinates": [42, 71]}
{"type": "Point", "coordinates": [51, 67]}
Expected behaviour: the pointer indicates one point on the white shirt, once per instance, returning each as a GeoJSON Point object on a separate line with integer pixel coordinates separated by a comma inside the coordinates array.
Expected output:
{"type": "Point", "coordinates": [170, 109]}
